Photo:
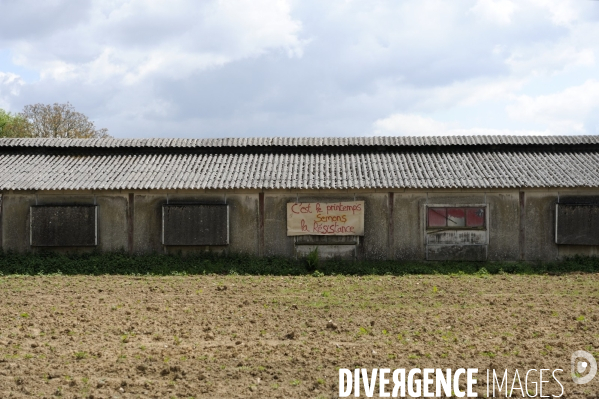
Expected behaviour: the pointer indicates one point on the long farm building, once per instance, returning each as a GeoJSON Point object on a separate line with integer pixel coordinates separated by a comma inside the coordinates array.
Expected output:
{"type": "Point", "coordinates": [473, 198]}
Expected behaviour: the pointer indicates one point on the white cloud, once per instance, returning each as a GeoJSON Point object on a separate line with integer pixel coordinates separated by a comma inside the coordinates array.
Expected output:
{"type": "Point", "coordinates": [288, 67]}
{"type": "Point", "coordinates": [563, 12]}
{"type": "Point", "coordinates": [497, 11]}
{"type": "Point", "coordinates": [171, 39]}
{"type": "Point", "coordinates": [10, 86]}
{"type": "Point", "coordinates": [417, 125]}
{"type": "Point", "coordinates": [409, 125]}
{"type": "Point", "coordinates": [564, 112]}
{"type": "Point", "coordinates": [568, 53]}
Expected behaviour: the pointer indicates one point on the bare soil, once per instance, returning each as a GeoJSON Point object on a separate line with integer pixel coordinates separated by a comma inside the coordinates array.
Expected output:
{"type": "Point", "coordinates": [282, 337]}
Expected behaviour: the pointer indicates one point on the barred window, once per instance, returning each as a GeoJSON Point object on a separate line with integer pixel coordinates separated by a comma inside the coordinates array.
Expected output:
{"type": "Point", "coordinates": [63, 225]}
{"type": "Point", "coordinates": [195, 224]}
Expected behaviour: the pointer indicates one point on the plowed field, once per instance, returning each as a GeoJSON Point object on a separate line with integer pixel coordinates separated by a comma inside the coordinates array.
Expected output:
{"type": "Point", "coordinates": [281, 337]}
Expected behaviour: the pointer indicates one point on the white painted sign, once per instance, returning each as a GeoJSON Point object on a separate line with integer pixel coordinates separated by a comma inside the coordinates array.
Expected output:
{"type": "Point", "coordinates": [325, 219]}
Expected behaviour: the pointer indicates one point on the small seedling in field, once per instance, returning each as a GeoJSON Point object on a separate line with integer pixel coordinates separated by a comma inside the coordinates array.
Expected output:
{"type": "Point", "coordinates": [80, 355]}
{"type": "Point", "coordinates": [363, 331]}
{"type": "Point", "coordinates": [25, 315]}
{"type": "Point", "coordinates": [580, 318]}
{"type": "Point", "coordinates": [435, 289]}
{"type": "Point", "coordinates": [326, 294]}
{"type": "Point", "coordinates": [295, 382]}
{"type": "Point", "coordinates": [177, 340]}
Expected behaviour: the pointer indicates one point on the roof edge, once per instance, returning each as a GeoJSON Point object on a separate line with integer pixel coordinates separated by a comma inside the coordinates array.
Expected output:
{"type": "Point", "coordinates": [369, 141]}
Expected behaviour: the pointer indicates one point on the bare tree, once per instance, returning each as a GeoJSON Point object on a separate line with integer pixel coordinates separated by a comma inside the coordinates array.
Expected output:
{"type": "Point", "coordinates": [59, 120]}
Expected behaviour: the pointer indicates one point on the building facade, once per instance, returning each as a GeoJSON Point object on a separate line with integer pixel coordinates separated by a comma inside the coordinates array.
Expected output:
{"type": "Point", "coordinates": [481, 198]}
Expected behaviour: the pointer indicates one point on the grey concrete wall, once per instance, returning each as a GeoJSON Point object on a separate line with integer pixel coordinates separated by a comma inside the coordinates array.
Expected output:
{"type": "Point", "coordinates": [276, 241]}
{"type": "Point", "coordinates": [147, 223]}
{"type": "Point", "coordinates": [539, 221]}
{"type": "Point", "coordinates": [112, 222]}
{"type": "Point", "coordinates": [408, 236]}
{"type": "Point", "coordinates": [504, 226]}
{"type": "Point", "coordinates": [375, 243]}
{"type": "Point", "coordinates": [244, 225]}
{"type": "Point", "coordinates": [408, 223]}
{"type": "Point", "coordinates": [15, 221]}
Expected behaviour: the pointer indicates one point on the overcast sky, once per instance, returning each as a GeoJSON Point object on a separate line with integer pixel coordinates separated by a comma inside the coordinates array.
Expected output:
{"type": "Point", "coordinates": [234, 68]}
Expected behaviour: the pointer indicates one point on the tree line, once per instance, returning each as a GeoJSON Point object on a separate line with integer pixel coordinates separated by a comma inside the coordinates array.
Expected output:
{"type": "Point", "coordinates": [49, 121]}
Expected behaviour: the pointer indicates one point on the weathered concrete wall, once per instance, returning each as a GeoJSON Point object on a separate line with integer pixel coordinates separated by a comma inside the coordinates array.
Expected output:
{"type": "Point", "coordinates": [244, 226]}
{"type": "Point", "coordinates": [407, 226]}
{"type": "Point", "coordinates": [147, 223]}
{"type": "Point", "coordinates": [390, 233]}
{"type": "Point", "coordinates": [15, 221]}
{"type": "Point", "coordinates": [276, 241]}
{"type": "Point", "coordinates": [539, 222]}
{"type": "Point", "coordinates": [375, 243]}
{"type": "Point", "coordinates": [112, 222]}
{"type": "Point", "coordinates": [504, 225]}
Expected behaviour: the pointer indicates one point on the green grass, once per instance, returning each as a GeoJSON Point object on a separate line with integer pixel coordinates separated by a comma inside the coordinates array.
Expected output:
{"type": "Point", "coordinates": [210, 263]}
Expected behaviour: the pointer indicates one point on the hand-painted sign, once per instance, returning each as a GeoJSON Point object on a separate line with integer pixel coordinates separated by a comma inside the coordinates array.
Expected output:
{"type": "Point", "coordinates": [324, 219]}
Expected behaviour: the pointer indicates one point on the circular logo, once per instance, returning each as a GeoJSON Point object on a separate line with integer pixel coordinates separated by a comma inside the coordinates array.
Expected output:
{"type": "Point", "coordinates": [580, 366]}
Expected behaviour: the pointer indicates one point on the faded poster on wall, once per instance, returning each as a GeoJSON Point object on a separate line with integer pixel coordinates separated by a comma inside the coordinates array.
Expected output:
{"type": "Point", "coordinates": [325, 218]}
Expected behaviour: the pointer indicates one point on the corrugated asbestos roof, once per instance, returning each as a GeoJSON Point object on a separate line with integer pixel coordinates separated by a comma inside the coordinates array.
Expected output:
{"type": "Point", "coordinates": [402, 162]}
{"type": "Point", "coordinates": [395, 141]}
